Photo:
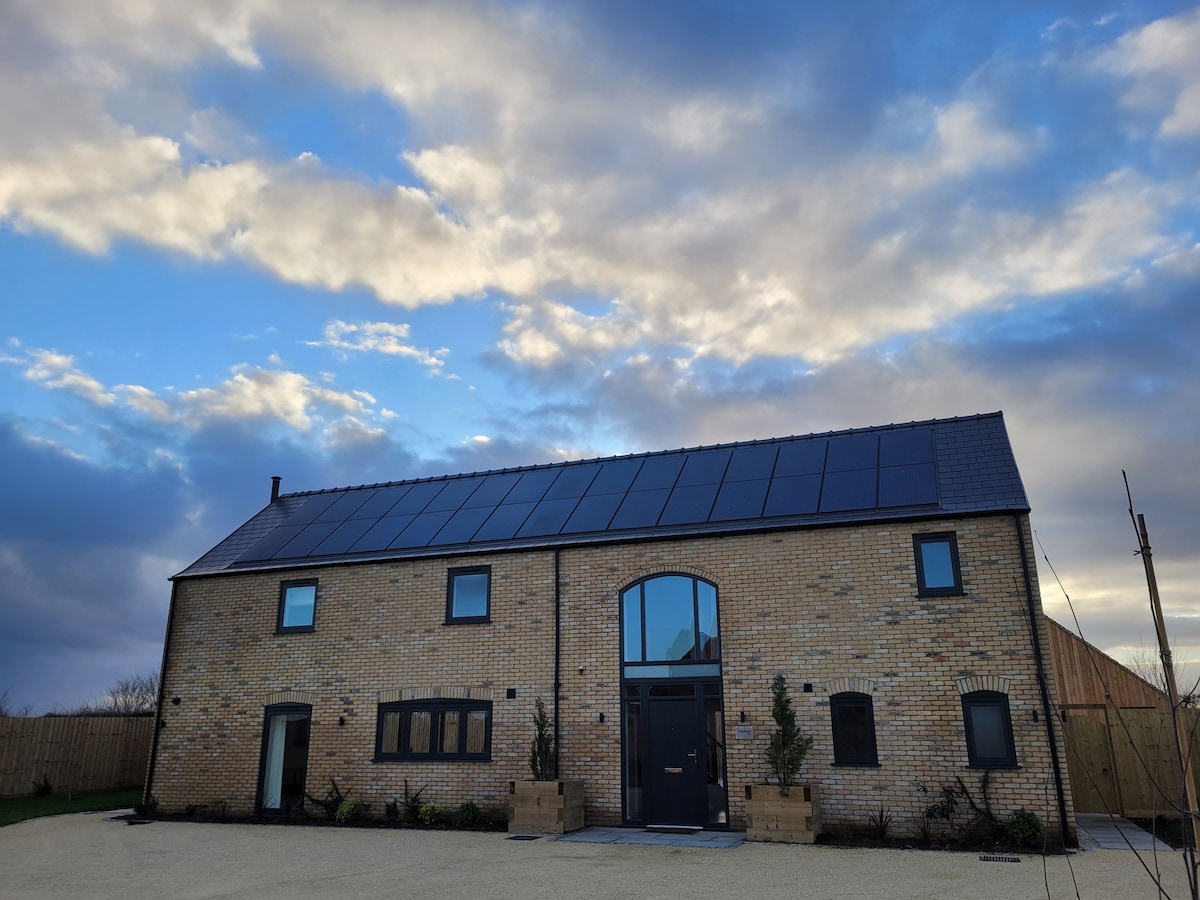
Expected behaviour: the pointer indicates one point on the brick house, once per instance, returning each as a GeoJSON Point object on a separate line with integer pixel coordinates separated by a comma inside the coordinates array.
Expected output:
{"type": "Point", "coordinates": [404, 631]}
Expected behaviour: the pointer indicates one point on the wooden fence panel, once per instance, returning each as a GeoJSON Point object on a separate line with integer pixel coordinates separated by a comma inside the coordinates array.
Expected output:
{"type": "Point", "coordinates": [1128, 766]}
{"type": "Point", "coordinates": [1090, 763]}
{"type": "Point", "coordinates": [76, 753]}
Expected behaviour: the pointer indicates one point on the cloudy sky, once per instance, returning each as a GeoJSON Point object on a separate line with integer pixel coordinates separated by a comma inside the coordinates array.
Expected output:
{"type": "Point", "coordinates": [355, 242]}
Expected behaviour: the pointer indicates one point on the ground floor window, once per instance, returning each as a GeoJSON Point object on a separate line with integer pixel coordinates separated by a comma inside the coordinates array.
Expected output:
{"type": "Point", "coordinates": [853, 729]}
{"type": "Point", "coordinates": [989, 730]}
{"type": "Point", "coordinates": [434, 729]}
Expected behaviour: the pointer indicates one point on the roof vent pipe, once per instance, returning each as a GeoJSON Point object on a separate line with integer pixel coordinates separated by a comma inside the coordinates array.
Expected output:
{"type": "Point", "coordinates": [275, 479]}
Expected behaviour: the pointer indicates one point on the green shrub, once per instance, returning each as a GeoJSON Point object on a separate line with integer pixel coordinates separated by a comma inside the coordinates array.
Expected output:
{"type": "Point", "coordinates": [466, 815]}
{"type": "Point", "coordinates": [412, 802]}
{"type": "Point", "coordinates": [43, 788]}
{"type": "Point", "coordinates": [431, 814]}
{"type": "Point", "coordinates": [1024, 829]}
{"type": "Point", "coordinates": [391, 810]}
{"type": "Point", "coordinates": [787, 747]}
{"type": "Point", "coordinates": [349, 810]}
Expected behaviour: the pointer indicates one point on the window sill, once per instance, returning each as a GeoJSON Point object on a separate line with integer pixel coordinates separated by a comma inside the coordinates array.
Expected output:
{"type": "Point", "coordinates": [985, 766]}
{"type": "Point", "coordinates": [299, 629]}
{"type": "Point", "coordinates": [857, 765]}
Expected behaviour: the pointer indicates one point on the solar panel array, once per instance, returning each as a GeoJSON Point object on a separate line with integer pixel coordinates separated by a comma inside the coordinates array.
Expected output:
{"type": "Point", "coordinates": [704, 489]}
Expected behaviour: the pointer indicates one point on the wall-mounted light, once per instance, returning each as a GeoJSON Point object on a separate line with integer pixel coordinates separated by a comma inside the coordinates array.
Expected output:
{"type": "Point", "coordinates": [341, 721]}
{"type": "Point", "coordinates": [1035, 716]}
{"type": "Point", "coordinates": [581, 668]}
{"type": "Point", "coordinates": [742, 717]}
{"type": "Point", "coordinates": [601, 718]}
{"type": "Point", "coordinates": [175, 701]}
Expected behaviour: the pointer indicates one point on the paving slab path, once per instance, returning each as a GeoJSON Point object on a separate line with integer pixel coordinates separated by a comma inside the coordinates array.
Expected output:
{"type": "Point", "coordinates": [89, 855]}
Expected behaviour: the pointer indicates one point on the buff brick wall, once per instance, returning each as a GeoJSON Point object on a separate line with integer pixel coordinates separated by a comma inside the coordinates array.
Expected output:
{"type": "Point", "coordinates": [834, 607]}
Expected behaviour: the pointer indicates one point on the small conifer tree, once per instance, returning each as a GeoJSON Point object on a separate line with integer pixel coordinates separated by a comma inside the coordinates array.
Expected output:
{"type": "Point", "coordinates": [787, 749]}
{"type": "Point", "coordinates": [543, 756]}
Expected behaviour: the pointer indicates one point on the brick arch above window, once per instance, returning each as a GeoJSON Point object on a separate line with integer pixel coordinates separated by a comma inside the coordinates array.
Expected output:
{"type": "Point", "coordinates": [998, 683]}
{"type": "Point", "coordinates": [435, 692]}
{"type": "Point", "coordinates": [656, 571]}
{"type": "Point", "coordinates": [851, 685]}
{"type": "Point", "coordinates": [308, 698]}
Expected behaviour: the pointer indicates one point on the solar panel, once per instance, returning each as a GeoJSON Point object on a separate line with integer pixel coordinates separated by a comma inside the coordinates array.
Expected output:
{"type": "Point", "coordinates": [593, 513]}
{"type": "Point", "coordinates": [382, 533]}
{"type": "Point", "coordinates": [548, 517]}
{"type": "Point", "coordinates": [854, 451]}
{"type": "Point", "coordinates": [421, 530]}
{"type": "Point", "coordinates": [704, 467]}
{"type": "Point", "coordinates": [740, 500]}
{"type": "Point", "coordinates": [801, 458]}
{"type": "Point", "coordinates": [844, 491]}
{"type": "Point", "coordinates": [688, 504]}
{"type": "Point", "coordinates": [493, 490]}
{"type": "Point", "coordinates": [615, 477]}
{"type": "Point", "coordinates": [908, 485]}
{"type": "Point", "coordinates": [751, 463]}
{"type": "Point", "coordinates": [795, 496]}
{"type": "Point", "coordinates": [658, 472]}
{"type": "Point", "coordinates": [504, 522]}
{"type": "Point", "coordinates": [314, 506]}
{"type": "Point", "coordinates": [304, 543]}
{"type": "Point", "coordinates": [462, 526]}
{"type": "Point", "coordinates": [902, 448]}
{"type": "Point", "coordinates": [345, 506]}
{"type": "Point", "coordinates": [454, 494]}
{"type": "Point", "coordinates": [572, 481]}
{"type": "Point", "coordinates": [343, 537]}
{"type": "Point", "coordinates": [381, 503]}
{"type": "Point", "coordinates": [273, 540]}
{"type": "Point", "coordinates": [640, 509]}
{"type": "Point", "coordinates": [532, 486]}
{"type": "Point", "coordinates": [417, 498]}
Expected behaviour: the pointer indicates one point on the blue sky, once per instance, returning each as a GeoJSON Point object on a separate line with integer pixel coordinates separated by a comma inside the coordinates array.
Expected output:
{"type": "Point", "coordinates": [354, 242]}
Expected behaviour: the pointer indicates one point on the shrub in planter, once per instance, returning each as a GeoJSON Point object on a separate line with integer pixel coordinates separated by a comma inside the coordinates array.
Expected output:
{"type": "Point", "coordinates": [776, 813]}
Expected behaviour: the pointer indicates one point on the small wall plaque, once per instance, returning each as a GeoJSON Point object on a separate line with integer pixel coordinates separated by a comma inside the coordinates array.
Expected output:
{"type": "Point", "coordinates": [743, 732]}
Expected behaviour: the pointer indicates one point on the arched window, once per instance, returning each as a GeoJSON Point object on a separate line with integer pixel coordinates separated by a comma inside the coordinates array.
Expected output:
{"type": "Point", "coordinates": [670, 620]}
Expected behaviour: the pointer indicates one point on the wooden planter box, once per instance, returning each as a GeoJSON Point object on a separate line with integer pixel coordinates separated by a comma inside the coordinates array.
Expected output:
{"type": "Point", "coordinates": [545, 807]}
{"type": "Point", "coordinates": [770, 816]}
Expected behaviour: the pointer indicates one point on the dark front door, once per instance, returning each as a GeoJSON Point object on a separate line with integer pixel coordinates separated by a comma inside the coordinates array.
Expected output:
{"type": "Point", "coordinates": [676, 782]}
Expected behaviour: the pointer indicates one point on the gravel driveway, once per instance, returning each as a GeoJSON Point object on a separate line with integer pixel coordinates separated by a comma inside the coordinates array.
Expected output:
{"type": "Point", "coordinates": [87, 855]}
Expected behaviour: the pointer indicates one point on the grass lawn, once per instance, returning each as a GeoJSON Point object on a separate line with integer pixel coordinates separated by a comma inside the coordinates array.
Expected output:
{"type": "Point", "coordinates": [18, 809]}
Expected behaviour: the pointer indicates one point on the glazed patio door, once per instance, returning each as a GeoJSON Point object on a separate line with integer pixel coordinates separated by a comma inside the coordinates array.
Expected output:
{"type": "Point", "coordinates": [284, 758]}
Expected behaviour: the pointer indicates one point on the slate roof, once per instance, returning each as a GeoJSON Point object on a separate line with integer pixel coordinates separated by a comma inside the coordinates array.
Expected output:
{"type": "Point", "coordinates": [941, 467]}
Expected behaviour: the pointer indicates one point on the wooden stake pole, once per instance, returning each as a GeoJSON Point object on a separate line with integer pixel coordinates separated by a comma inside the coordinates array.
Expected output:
{"type": "Point", "coordinates": [1164, 649]}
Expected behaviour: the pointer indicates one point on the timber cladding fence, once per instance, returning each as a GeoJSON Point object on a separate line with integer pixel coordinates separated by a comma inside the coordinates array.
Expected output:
{"type": "Point", "coordinates": [1124, 761]}
{"type": "Point", "coordinates": [76, 753]}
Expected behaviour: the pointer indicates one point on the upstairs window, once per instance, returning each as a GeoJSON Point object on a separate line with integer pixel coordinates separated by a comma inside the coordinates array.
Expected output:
{"type": "Point", "coordinates": [297, 606]}
{"type": "Point", "coordinates": [434, 729]}
{"type": "Point", "coordinates": [853, 729]}
{"type": "Point", "coordinates": [468, 595]}
{"type": "Point", "coordinates": [989, 730]}
{"type": "Point", "coordinates": [937, 564]}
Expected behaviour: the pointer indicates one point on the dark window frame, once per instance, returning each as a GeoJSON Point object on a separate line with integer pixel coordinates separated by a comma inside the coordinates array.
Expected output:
{"type": "Point", "coordinates": [975, 759]}
{"type": "Point", "coordinates": [284, 587]}
{"type": "Point", "coordinates": [435, 708]}
{"type": "Point", "coordinates": [451, 575]}
{"type": "Point", "coordinates": [698, 659]}
{"type": "Point", "coordinates": [944, 537]}
{"type": "Point", "coordinates": [843, 754]}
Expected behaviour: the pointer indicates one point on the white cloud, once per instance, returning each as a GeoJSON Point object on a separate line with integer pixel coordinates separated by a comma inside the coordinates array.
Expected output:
{"type": "Point", "coordinates": [1162, 63]}
{"type": "Point", "coordinates": [379, 337]}
{"type": "Point", "coordinates": [254, 393]}
{"type": "Point", "coordinates": [58, 370]}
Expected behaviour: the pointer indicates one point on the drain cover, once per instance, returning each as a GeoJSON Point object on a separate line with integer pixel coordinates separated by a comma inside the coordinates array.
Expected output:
{"type": "Point", "coordinates": [523, 837]}
{"type": "Point", "coordinates": [999, 859]}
